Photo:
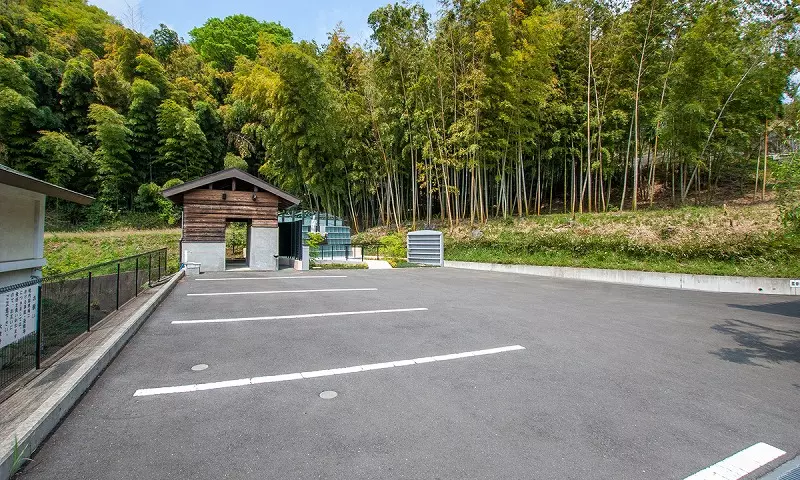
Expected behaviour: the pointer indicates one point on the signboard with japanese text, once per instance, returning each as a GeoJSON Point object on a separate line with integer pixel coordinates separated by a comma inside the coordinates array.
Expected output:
{"type": "Point", "coordinates": [17, 314]}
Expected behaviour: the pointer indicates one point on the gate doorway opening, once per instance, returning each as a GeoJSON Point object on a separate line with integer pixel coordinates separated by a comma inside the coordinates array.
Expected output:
{"type": "Point", "coordinates": [237, 245]}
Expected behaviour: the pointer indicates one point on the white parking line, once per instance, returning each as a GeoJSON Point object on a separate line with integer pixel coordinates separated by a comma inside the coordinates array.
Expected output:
{"type": "Point", "coordinates": [283, 291]}
{"type": "Point", "coordinates": [298, 277]}
{"type": "Point", "coordinates": [740, 464]}
{"type": "Point", "coordinates": [304, 315]}
{"type": "Point", "coordinates": [144, 392]}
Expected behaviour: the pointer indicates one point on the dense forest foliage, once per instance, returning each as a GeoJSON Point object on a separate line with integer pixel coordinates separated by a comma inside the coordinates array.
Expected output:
{"type": "Point", "coordinates": [487, 108]}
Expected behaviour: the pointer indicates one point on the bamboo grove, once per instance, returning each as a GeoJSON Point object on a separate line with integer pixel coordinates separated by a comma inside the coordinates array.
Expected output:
{"type": "Point", "coordinates": [484, 108]}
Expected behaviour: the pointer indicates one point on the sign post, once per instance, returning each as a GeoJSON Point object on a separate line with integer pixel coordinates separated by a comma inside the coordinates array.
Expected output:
{"type": "Point", "coordinates": [39, 327]}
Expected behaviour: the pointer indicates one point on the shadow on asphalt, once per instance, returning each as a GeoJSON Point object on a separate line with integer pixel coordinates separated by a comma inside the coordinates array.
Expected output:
{"type": "Point", "coordinates": [758, 343]}
{"type": "Point", "coordinates": [787, 309]}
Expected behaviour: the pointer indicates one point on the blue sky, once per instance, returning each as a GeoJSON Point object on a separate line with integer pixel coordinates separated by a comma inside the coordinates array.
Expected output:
{"type": "Point", "coordinates": [308, 19]}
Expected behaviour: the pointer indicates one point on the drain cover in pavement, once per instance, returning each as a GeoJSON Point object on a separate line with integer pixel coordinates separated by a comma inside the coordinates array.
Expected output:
{"type": "Point", "coordinates": [328, 394]}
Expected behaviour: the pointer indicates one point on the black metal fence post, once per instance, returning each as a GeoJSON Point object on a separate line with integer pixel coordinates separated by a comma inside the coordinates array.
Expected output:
{"type": "Point", "coordinates": [117, 287]}
{"type": "Point", "coordinates": [89, 304]}
{"type": "Point", "coordinates": [39, 328]}
{"type": "Point", "coordinates": [150, 270]}
{"type": "Point", "coordinates": [136, 279]}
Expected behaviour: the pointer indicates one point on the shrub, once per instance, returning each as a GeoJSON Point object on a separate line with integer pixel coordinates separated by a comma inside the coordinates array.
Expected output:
{"type": "Point", "coordinates": [99, 213]}
{"type": "Point", "coordinates": [147, 198]}
{"type": "Point", "coordinates": [394, 245]}
{"type": "Point", "coordinates": [234, 161]}
{"type": "Point", "coordinates": [315, 239]}
{"type": "Point", "coordinates": [172, 183]}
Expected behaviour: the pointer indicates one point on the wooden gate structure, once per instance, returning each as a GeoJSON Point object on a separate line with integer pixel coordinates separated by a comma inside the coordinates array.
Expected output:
{"type": "Point", "coordinates": [211, 202]}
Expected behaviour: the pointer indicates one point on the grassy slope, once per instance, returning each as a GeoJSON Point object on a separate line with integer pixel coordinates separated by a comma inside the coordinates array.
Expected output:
{"type": "Point", "coordinates": [70, 251]}
{"type": "Point", "coordinates": [735, 240]}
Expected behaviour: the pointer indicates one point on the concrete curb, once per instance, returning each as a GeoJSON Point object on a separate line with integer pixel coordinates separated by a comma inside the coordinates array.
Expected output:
{"type": "Point", "coordinates": [53, 409]}
{"type": "Point", "coordinates": [680, 281]}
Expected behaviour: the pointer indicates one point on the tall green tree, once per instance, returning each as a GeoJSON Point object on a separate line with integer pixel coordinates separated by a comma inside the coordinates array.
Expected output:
{"type": "Point", "coordinates": [183, 148]}
{"type": "Point", "coordinates": [114, 165]}
{"type": "Point", "coordinates": [210, 122]}
{"type": "Point", "coordinates": [165, 41]}
{"type": "Point", "coordinates": [142, 121]}
{"type": "Point", "coordinates": [220, 41]}
{"type": "Point", "coordinates": [63, 160]}
{"type": "Point", "coordinates": [77, 93]}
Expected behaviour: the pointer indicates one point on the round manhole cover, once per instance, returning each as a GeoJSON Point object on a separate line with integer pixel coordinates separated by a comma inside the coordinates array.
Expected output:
{"type": "Point", "coordinates": [328, 394]}
{"type": "Point", "coordinates": [199, 367]}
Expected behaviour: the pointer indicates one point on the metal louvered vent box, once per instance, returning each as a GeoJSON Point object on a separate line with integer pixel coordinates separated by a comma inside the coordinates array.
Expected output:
{"type": "Point", "coordinates": [426, 247]}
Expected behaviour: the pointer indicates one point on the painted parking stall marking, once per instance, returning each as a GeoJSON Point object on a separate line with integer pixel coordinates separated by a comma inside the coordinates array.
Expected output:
{"type": "Point", "coordinates": [293, 277]}
{"type": "Point", "coordinates": [290, 317]}
{"type": "Point", "coordinates": [740, 464]}
{"type": "Point", "coordinates": [266, 292]}
{"type": "Point", "coordinates": [241, 382]}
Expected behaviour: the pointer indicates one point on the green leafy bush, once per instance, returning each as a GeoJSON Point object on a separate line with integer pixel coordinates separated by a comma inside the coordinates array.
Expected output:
{"type": "Point", "coordinates": [394, 245]}
{"type": "Point", "coordinates": [100, 213]}
{"type": "Point", "coordinates": [234, 161]}
{"type": "Point", "coordinates": [315, 239]}
{"type": "Point", "coordinates": [149, 200]}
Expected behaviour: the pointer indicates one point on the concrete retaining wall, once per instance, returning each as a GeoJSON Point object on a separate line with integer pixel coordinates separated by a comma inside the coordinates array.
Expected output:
{"type": "Point", "coordinates": [685, 281]}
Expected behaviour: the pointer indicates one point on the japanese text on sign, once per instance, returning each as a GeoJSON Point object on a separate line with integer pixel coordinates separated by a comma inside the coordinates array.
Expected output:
{"type": "Point", "coordinates": [17, 314]}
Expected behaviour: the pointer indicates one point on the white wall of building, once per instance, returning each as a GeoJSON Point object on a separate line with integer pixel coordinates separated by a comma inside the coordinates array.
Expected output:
{"type": "Point", "coordinates": [21, 234]}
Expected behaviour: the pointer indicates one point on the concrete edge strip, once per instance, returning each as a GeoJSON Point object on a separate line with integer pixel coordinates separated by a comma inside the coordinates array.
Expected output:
{"type": "Point", "coordinates": [680, 281]}
{"type": "Point", "coordinates": [740, 464]}
{"type": "Point", "coordinates": [45, 419]}
{"type": "Point", "coordinates": [240, 382]}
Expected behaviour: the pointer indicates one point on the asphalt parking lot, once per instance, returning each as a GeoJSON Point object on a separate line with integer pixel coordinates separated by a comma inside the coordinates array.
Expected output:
{"type": "Point", "coordinates": [595, 381]}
